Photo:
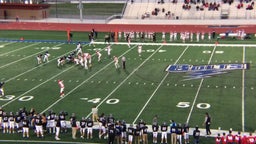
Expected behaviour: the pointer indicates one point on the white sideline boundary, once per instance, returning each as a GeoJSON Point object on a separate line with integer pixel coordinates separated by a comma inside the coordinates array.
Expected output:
{"type": "Point", "coordinates": [180, 44]}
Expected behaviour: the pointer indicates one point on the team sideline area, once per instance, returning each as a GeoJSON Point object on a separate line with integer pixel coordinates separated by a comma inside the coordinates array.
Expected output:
{"type": "Point", "coordinates": [130, 82]}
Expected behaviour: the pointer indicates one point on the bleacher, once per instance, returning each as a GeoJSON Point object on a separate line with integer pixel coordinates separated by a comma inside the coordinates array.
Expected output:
{"type": "Point", "coordinates": [142, 9]}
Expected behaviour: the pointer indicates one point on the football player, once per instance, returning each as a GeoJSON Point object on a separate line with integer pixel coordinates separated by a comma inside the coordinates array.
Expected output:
{"type": "Point", "coordinates": [164, 129]}
{"type": "Point", "coordinates": [25, 127]}
{"type": "Point", "coordinates": [102, 125]}
{"type": "Point", "coordinates": [99, 55]}
{"type": "Point", "coordinates": [116, 62]}
{"type": "Point", "coordinates": [89, 124]}
{"type": "Point", "coordinates": [155, 128]}
{"type": "Point", "coordinates": [51, 122]}
{"type": "Point", "coordinates": [130, 134]}
{"type": "Point", "coordinates": [46, 57]}
{"type": "Point", "coordinates": [39, 125]}
{"type": "Point", "coordinates": [109, 51]}
{"type": "Point", "coordinates": [11, 123]}
{"type": "Point", "coordinates": [39, 59]}
{"type": "Point", "coordinates": [5, 122]}
{"type": "Point", "coordinates": [2, 88]}
{"type": "Point", "coordinates": [61, 85]}
{"type": "Point", "coordinates": [79, 49]}
{"type": "Point", "coordinates": [140, 49]}
{"type": "Point", "coordinates": [82, 127]}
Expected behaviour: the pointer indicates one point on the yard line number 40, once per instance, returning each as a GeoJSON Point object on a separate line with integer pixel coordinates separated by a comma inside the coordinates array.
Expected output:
{"type": "Point", "coordinates": [28, 98]}
{"type": "Point", "coordinates": [199, 105]}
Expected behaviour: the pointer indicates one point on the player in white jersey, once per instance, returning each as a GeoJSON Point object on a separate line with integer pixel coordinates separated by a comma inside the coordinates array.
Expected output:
{"type": "Point", "coordinates": [89, 60]}
{"type": "Point", "coordinates": [99, 55]}
{"type": "Point", "coordinates": [140, 49]}
{"type": "Point", "coordinates": [60, 61]}
{"type": "Point", "coordinates": [116, 62]}
{"type": "Point", "coordinates": [91, 42]}
{"type": "Point", "coordinates": [79, 48]}
{"type": "Point", "coordinates": [61, 85]}
{"type": "Point", "coordinates": [85, 55]}
{"type": "Point", "coordinates": [39, 59]}
{"type": "Point", "coordinates": [46, 57]}
{"type": "Point", "coordinates": [1, 89]}
{"type": "Point", "coordinates": [109, 51]}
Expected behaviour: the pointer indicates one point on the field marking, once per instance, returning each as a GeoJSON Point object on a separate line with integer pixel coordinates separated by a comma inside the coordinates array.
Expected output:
{"type": "Point", "coordinates": [121, 83]}
{"type": "Point", "coordinates": [5, 44]}
{"type": "Point", "coordinates": [84, 81]}
{"type": "Point", "coordinates": [199, 87]}
{"type": "Point", "coordinates": [34, 67]}
{"type": "Point", "coordinates": [36, 87]}
{"type": "Point", "coordinates": [20, 49]}
{"type": "Point", "coordinates": [158, 87]}
{"type": "Point", "coordinates": [243, 91]}
{"type": "Point", "coordinates": [24, 58]}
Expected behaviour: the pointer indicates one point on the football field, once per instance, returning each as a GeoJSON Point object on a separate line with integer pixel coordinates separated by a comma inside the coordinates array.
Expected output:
{"type": "Point", "coordinates": [142, 90]}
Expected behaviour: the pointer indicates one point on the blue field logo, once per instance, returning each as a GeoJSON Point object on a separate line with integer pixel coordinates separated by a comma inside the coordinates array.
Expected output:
{"type": "Point", "coordinates": [204, 71]}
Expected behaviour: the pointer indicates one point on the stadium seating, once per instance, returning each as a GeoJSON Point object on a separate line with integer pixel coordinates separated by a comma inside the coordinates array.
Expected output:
{"type": "Point", "coordinates": [170, 10]}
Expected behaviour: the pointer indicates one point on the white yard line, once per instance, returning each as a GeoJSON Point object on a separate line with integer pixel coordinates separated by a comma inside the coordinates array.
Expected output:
{"type": "Point", "coordinates": [199, 88]}
{"type": "Point", "coordinates": [24, 58]}
{"type": "Point", "coordinates": [36, 87]}
{"type": "Point", "coordinates": [243, 91]}
{"type": "Point", "coordinates": [56, 102]}
{"type": "Point", "coordinates": [19, 49]}
{"type": "Point", "coordinates": [114, 90]}
{"type": "Point", "coordinates": [35, 67]}
{"type": "Point", "coordinates": [5, 44]}
{"type": "Point", "coordinates": [135, 120]}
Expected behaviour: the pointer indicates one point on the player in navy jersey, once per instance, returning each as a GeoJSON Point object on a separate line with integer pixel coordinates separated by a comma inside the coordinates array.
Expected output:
{"type": "Point", "coordinates": [25, 127]}
{"type": "Point", "coordinates": [164, 129]}
{"type": "Point", "coordinates": [137, 134]}
{"type": "Point", "coordinates": [18, 123]}
{"type": "Point", "coordinates": [89, 125]}
{"type": "Point", "coordinates": [58, 126]}
{"type": "Point", "coordinates": [196, 135]}
{"type": "Point", "coordinates": [130, 134]}
{"type": "Point", "coordinates": [39, 125]}
{"type": "Point", "coordinates": [5, 122]}
{"type": "Point", "coordinates": [155, 128]}
{"type": "Point", "coordinates": [141, 125]}
{"type": "Point", "coordinates": [62, 117]}
{"type": "Point", "coordinates": [145, 134]}
{"type": "Point", "coordinates": [173, 131]}
{"type": "Point", "coordinates": [118, 132]}
{"type": "Point", "coordinates": [179, 133]}
{"type": "Point", "coordinates": [73, 125]}
{"type": "Point", "coordinates": [111, 133]}
{"type": "Point", "coordinates": [11, 123]}
{"type": "Point", "coordinates": [124, 133]}
{"type": "Point", "coordinates": [51, 121]}
{"type": "Point", "coordinates": [82, 127]}
{"type": "Point", "coordinates": [102, 125]}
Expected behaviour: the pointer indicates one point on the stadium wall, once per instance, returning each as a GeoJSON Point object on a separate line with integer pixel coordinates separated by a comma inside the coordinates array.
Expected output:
{"type": "Point", "coordinates": [124, 27]}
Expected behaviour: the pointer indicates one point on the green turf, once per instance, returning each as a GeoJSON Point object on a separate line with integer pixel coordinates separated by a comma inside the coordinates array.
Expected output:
{"type": "Point", "coordinates": [135, 91]}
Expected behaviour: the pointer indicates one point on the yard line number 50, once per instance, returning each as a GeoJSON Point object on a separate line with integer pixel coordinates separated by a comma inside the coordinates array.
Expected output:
{"type": "Point", "coordinates": [199, 105]}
